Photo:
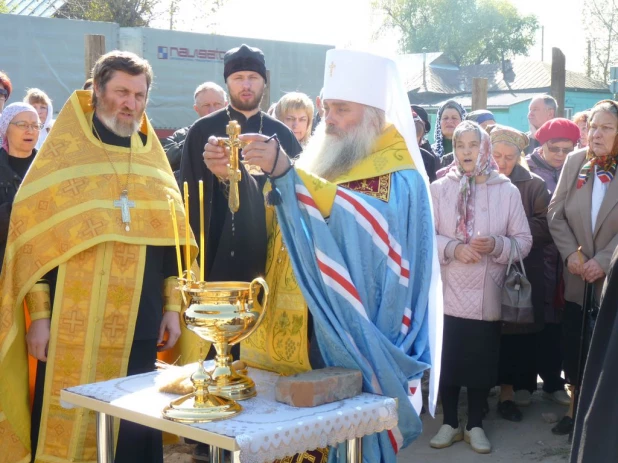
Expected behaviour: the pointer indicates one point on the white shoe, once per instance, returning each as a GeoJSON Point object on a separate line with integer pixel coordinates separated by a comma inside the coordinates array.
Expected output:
{"type": "Point", "coordinates": [446, 436]}
{"type": "Point", "coordinates": [560, 397]}
{"type": "Point", "coordinates": [478, 440]}
{"type": "Point", "coordinates": [522, 398]}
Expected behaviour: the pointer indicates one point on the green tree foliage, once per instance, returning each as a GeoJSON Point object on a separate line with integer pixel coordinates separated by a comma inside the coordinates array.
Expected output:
{"type": "Point", "coordinates": [600, 18]}
{"type": "Point", "coordinates": [467, 31]}
{"type": "Point", "coordinates": [127, 13]}
{"type": "Point", "coordinates": [3, 8]}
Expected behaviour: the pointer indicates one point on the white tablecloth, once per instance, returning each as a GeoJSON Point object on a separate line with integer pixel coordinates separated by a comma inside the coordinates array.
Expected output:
{"type": "Point", "coordinates": [265, 430]}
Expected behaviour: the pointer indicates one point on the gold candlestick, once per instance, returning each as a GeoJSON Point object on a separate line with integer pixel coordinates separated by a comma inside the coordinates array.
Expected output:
{"type": "Point", "coordinates": [170, 201]}
{"type": "Point", "coordinates": [187, 233]}
{"type": "Point", "coordinates": [202, 247]}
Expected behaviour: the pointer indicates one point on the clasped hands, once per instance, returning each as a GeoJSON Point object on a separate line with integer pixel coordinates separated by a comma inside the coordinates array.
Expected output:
{"type": "Point", "coordinates": [472, 252]}
{"type": "Point", "coordinates": [258, 153]}
{"type": "Point", "coordinates": [588, 269]}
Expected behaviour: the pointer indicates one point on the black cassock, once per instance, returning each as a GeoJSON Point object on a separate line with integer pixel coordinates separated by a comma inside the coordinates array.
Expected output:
{"type": "Point", "coordinates": [236, 243]}
{"type": "Point", "coordinates": [594, 439]}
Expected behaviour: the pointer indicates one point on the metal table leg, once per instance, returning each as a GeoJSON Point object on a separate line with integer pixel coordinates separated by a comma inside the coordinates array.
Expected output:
{"type": "Point", "coordinates": [105, 438]}
{"type": "Point", "coordinates": [216, 454]}
{"type": "Point", "coordinates": [354, 450]}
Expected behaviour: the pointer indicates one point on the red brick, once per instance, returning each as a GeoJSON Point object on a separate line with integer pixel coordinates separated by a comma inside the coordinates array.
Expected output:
{"type": "Point", "coordinates": [318, 387]}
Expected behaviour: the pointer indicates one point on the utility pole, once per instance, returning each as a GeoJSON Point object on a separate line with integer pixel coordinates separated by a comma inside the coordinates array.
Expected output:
{"type": "Point", "coordinates": [542, 43]}
{"type": "Point", "coordinates": [558, 79]}
{"type": "Point", "coordinates": [589, 60]}
{"type": "Point", "coordinates": [94, 49]}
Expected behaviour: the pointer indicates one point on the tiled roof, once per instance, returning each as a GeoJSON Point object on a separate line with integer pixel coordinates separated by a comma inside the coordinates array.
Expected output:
{"type": "Point", "coordinates": [494, 101]}
{"type": "Point", "coordinates": [519, 75]}
{"type": "Point", "coordinates": [41, 8]}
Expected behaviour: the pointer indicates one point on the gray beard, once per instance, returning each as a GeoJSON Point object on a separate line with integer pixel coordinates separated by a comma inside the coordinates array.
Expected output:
{"type": "Point", "coordinates": [119, 128]}
{"type": "Point", "coordinates": [330, 155]}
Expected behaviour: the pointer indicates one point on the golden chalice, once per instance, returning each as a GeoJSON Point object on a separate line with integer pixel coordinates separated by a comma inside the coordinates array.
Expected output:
{"type": "Point", "coordinates": [223, 313]}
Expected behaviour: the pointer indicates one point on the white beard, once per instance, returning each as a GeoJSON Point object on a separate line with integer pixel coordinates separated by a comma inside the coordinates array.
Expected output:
{"type": "Point", "coordinates": [331, 153]}
{"type": "Point", "coordinates": [122, 129]}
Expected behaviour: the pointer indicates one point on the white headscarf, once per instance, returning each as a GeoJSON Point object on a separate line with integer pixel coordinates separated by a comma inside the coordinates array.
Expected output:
{"type": "Point", "coordinates": [375, 81]}
{"type": "Point", "coordinates": [8, 115]}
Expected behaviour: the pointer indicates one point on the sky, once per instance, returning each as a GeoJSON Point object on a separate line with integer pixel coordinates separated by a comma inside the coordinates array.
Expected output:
{"type": "Point", "coordinates": [353, 23]}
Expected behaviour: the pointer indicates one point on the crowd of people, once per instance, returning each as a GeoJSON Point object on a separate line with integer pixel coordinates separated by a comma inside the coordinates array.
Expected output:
{"type": "Point", "coordinates": [487, 193]}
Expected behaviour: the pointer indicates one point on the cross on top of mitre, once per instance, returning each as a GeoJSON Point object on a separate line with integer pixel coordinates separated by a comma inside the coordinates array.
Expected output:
{"type": "Point", "coordinates": [332, 68]}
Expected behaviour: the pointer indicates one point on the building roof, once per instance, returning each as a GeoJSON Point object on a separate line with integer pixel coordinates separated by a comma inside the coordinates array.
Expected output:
{"type": "Point", "coordinates": [520, 75]}
{"type": "Point", "coordinates": [41, 8]}
{"type": "Point", "coordinates": [494, 101]}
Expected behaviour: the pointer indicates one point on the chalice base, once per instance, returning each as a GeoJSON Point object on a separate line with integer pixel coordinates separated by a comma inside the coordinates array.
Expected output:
{"type": "Point", "coordinates": [215, 407]}
{"type": "Point", "coordinates": [234, 386]}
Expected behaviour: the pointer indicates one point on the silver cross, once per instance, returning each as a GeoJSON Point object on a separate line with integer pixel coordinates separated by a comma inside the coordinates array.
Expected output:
{"type": "Point", "coordinates": [124, 204]}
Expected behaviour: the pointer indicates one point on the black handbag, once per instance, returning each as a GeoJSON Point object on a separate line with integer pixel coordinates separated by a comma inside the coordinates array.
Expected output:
{"type": "Point", "coordinates": [517, 291]}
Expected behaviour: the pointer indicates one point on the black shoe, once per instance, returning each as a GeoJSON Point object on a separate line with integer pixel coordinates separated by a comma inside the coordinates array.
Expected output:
{"type": "Point", "coordinates": [564, 426]}
{"type": "Point", "coordinates": [509, 411]}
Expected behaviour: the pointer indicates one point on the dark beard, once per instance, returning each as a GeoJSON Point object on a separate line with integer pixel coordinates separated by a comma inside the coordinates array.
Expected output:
{"type": "Point", "coordinates": [249, 105]}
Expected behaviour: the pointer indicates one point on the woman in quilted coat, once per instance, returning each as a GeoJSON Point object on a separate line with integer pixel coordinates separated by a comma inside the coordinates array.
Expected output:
{"type": "Point", "coordinates": [477, 212]}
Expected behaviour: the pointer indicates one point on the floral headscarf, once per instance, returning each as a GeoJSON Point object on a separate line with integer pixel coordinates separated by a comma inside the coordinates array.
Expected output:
{"type": "Point", "coordinates": [7, 116]}
{"type": "Point", "coordinates": [605, 165]}
{"type": "Point", "coordinates": [438, 146]}
{"type": "Point", "coordinates": [485, 164]}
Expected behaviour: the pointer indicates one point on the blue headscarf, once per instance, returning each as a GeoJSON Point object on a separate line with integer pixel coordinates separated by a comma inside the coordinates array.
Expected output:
{"type": "Point", "coordinates": [438, 146]}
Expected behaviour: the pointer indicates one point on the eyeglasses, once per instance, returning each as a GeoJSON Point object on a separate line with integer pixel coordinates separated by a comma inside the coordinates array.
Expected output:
{"type": "Point", "coordinates": [25, 126]}
{"type": "Point", "coordinates": [557, 149]}
{"type": "Point", "coordinates": [4, 93]}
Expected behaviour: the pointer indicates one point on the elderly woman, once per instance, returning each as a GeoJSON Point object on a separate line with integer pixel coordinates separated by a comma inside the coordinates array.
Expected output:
{"type": "Point", "coordinates": [44, 108]}
{"type": "Point", "coordinates": [449, 116]}
{"type": "Point", "coordinates": [19, 129]}
{"type": "Point", "coordinates": [584, 212]}
{"type": "Point", "coordinates": [517, 370]}
{"type": "Point", "coordinates": [477, 212]}
{"type": "Point", "coordinates": [557, 137]}
{"type": "Point", "coordinates": [296, 111]}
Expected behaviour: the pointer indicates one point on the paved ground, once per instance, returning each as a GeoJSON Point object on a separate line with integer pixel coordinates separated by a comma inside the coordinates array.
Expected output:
{"type": "Point", "coordinates": [530, 440]}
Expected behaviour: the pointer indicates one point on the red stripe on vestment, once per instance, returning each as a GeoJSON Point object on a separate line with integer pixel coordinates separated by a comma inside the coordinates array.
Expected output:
{"type": "Point", "coordinates": [391, 436]}
{"type": "Point", "coordinates": [344, 282]}
{"type": "Point", "coordinates": [377, 228]}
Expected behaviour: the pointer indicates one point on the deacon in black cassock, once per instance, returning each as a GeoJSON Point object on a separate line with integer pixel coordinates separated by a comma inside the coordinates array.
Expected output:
{"type": "Point", "coordinates": [594, 439]}
{"type": "Point", "coordinates": [228, 258]}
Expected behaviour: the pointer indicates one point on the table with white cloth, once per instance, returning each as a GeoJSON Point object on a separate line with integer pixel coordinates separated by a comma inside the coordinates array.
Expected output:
{"type": "Point", "coordinates": [264, 431]}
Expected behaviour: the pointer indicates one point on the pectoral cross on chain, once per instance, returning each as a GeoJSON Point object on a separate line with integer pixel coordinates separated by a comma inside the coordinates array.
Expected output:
{"type": "Point", "coordinates": [124, 204]}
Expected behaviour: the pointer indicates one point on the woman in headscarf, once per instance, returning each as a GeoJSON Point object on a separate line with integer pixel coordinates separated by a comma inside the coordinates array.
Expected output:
{"type": "Point", "coordinates": [583, 220]}
{"type": "Point", "coordinates": [517, 369]}
{"type": "Point", "coordinates": [449, 116]}
{"type": "Point", "coordinates": [477, 211]}
{"type": "Point", "coordinates": [44, 108]}
{"type": "Point", "coordinates": [558, 138]}
{"type": "Point", "coordinates": [19, 129]}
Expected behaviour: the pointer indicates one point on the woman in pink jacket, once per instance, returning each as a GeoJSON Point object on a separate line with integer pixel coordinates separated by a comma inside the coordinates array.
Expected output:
{"type": "Point", "coordinates": [476, 211]}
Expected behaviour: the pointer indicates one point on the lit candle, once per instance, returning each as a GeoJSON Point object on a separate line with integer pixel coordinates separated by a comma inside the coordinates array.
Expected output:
{"type": "Point", "coordinates": [202, 248]}
{"type": "Point", "coordinates": [187, 233]}
{"type": "Point", "coordinates": [176, 237]}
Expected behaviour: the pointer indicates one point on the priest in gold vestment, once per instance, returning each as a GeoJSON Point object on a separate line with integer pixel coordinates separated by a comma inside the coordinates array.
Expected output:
{"type": "Point", "coordinates": [91, 257]}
